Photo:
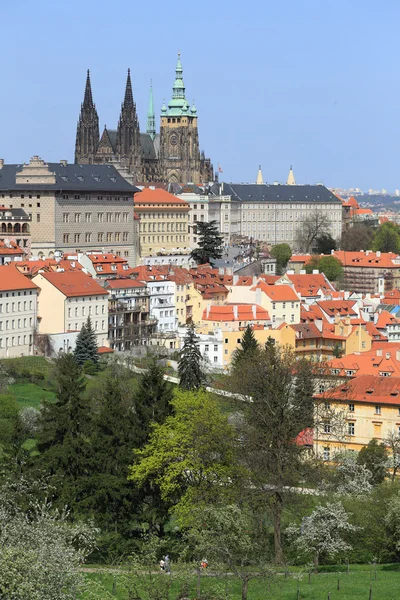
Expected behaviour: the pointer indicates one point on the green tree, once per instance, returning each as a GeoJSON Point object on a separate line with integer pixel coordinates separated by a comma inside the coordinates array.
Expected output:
{"type": "Point", "coordinates": [191, 376]}
{"type": "Point", "coordinates": [329, 265]}
{"type": "Point", "coordinates": [63, 438]}
{"type": "Point", "coordinates": [282, 253]}
{"type": "Point", "coordinates": [152, 398]}
{"type": "Point", "coordinates": [337, 351]}
{"type": "Point", "coordinates": [387, 238]}
{"type": "Point", "coordinates": [191, 456]}
{"type": "Point", "coordinates": [356, 238]}
{"type": "Point", "coordinates": [325, 244]}
{"type": "Point", "coordinates": [210, 243]}
{"type": "Point", "coordinates": [248, 346]}
{"type": "Point", "coordinates": [374, 457]}
{"type": "Point", "coordinates": [86, 348]}
{"type": "Point", "coordinates": [276, 407]}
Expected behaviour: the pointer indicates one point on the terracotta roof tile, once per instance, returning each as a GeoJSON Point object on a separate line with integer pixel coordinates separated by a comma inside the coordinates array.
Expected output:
{"type": "Point", "coordinates": [11, 279]}
{"type": "Point", "coordinates": [75, 284]}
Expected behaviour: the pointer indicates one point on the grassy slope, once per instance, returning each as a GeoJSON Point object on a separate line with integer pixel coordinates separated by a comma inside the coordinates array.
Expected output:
{"type": "Point", "coordinates": [354, 586]}
{"type": "Point", "coordinates": [30, 394]}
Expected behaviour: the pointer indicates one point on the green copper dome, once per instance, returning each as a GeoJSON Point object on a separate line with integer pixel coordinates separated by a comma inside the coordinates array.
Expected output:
{"type": "Point", "coordinates": [178, 105]}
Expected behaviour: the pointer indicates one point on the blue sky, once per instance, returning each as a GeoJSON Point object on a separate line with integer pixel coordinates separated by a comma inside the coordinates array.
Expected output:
{"type": "Point", "coordinates": [313, 83]}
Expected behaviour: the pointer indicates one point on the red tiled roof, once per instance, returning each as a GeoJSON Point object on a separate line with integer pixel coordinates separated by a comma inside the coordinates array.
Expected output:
{"type": "Point", "coordinates": [245, 312]}
{"type": "Point", "coordinates": [148, 197]}
{"type": "Point", "coordinates": [385, 319]}
{"type": "Point", "coordinates": [368, 260]}
{"type": "Point", "coordinates": [121, 284]}
{"type": "Point", "coordinates": [105, 350]}
{"type": "Point", "coordinates": [309, 285]}
{"type": "Point", "coordinates": [105, 258]}
{"type": "Point", "coordinates": [371, 389]}
{"type": "Point", "coordinates": [11, 279]}
{"type": "Point", "coordinates": [75, 284]}
{"type": "Point", "coordinates": [367, 363]}
{"type": "Point", "coordinates": [300, 258]}
{"type": "Point", "coordinates": [10, 249]}
{"type": "Point", "coordinates": [278, 293]}
{"type": "Point", "coordinates": [32, 267]}
{"type": "Point", "coordinates": [305, 437]}
{"type": "Point", "coordinates": [340, 307]}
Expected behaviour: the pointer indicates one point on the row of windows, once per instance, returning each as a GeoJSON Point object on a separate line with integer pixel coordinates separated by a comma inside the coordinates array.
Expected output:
{"type": "Point", "coordinates": [15, 341]}
{"type": "Point", "coordinates": [166, 313]}
{"type": "Point", "coordinates": [90, 311]}
{"type": "Point", "coordinates": [26, 196]}
{"type": "Point", "coordinates": [168, 238]}
{"type": "Point", "coordinates": [7, 294]}
{"type": "Point", "coordinates": [304, 206]}
{"type": "Point", "coordinates": [96, 326]}
{"type": "Point", "coordinates": [101, 237]}
{"type": "Point", "coordinates": [163, 227]}
{"type": "Point", "coordinates": [167, 215]}
{"type": "Point", "coordinates": [88, 197]}
{"type": "Point", "coordinates": [16, 324]}
{"type": "Point", "coordinates": [195, 206]}
{"type": "Point", "coordinates": [11, 307]}
{"type": "Point", "coordinates": [108, 217]}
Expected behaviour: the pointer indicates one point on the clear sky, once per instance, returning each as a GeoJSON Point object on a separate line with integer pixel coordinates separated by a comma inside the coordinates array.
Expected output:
{"type": "Point", "coordinates": [313, 83]}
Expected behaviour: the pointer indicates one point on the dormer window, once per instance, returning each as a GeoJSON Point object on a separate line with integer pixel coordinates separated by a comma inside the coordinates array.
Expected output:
{"type": "Point", "coordinates": [99, 268]}
{"type": "Point", "coordinates": [113, 267]}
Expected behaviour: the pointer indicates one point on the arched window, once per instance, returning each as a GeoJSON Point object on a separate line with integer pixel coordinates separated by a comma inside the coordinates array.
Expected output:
{"type": "Point", "coordinates": [17, 228]}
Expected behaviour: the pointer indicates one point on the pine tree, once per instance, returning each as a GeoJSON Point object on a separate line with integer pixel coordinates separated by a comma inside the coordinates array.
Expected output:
{"type": "Point", "coordinates": [63, 437]}
{"type": "Point", "coordinates": [210, 243]}
{"type": "Point", "coordinates": [248, 346]}
{"type": "Point", "coordinates": [153, 397]}
{"type": "Point", "coordinates": [189, 366]}
{"type": "Point", "coordinates": [86, 348]}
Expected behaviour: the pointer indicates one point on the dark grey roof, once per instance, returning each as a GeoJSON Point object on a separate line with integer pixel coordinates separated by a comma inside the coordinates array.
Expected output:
{"type": "Point", "coordinates": [112, 134]}
{"type": "Point", "coordinates": [147, 145]}
{"type": "Point", "coordinates": [252, 192]}
{"type": "Point", "coordinates": [73, 177]}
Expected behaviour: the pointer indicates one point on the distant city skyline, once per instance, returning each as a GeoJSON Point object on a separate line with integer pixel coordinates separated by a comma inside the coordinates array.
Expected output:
{"type": "Point", "coordinates": [304, 83]}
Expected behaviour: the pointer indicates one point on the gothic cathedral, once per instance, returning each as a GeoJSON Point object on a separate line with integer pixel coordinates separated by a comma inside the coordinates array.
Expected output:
{"type": "Point", "coordinates": [173, 155]}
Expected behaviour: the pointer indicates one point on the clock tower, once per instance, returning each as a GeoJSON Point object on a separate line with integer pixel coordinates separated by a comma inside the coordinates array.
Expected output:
{"type": "Point", "coordinates": [180, 157]}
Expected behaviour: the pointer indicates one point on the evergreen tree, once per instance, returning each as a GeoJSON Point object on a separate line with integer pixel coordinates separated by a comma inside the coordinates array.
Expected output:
{"type": "Point", "coordinates": [152, 398]}
{"type": "Point", "coordinates": [248, 346]}
{"type": "Point", "coordinates": [189, 367]}
{"type": "Point", "coordinates": [210, 243]}
{"type": "Point", "coordinates": [63, 437]}
{"type": "Point", "coordinates": [86, 348]}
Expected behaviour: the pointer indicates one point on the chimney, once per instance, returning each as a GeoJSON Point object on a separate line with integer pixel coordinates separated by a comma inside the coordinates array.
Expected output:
{"type": "Point", "coordinates": [235, 312]}
{"type": "Point", "coordinates": [318, 324]}
{"type": "Point", "coordinates": [208, 310]}
{"type": "Point", "coordinates": [378, 254]}
{"type": "Point", "coordinates": [63, 163]}
{"type": "Point", "coordinates": [291, 272]}
{"type": "Point", "coordinates": [254, 310]}
{"type": "Point", "coordinates": [315, 272]}
{"type": "Point", "coordinates": [398, 355]}
{"type": "Point", "coordinates": [380, 353]}
{"type": "Point", "coordinates": [255, 280]}
{"type": "Point", "coordinates": [368, 252]}
{"type": "Point", "coordinates": [1, 163]}
{"type": "Point", "coordinates": [387, 355]}
{"type": "Point", "coordinates": [303, 272]}
{"type": "Point", "coordinates": [235, 279]}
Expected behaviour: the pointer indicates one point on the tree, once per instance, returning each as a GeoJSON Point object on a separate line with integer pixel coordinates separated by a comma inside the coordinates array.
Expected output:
{"type": "Point", "coordinates": [374, 457]}
{"type": "Point", "coordinates": [210, 243]}
{"type": "Point", "coordinates": [232, 537]}
{"type": "Point", "coordinates": [248, 346]}
{"type": "Point", "coordinates": [350, 478]}
{"type": "Point", "coordinates": [86, 348]}
{"type": "Point", "coordinates": [191, 456]}
{"type": "Point", "coordinates": [281, 407]}
{"type": "Point", "coordinates": [311, 228]}
{"type": "Point", "coordinates": [392, 520]}
{"type": "Point", "coordinates": [325, 244]}
{"type": "Point", "coordinates": [41, 552]}
{"type": "Point", "coordinates": [63, 438]}
{"type": "Point", "coordinates": [387, 238]}
{"type": "Point", "coordinates": [329, 265]}
{"type": "Point", "coordinates": [152, 398]}
{"type": "Point", "coordinates": [5, 379]}
{"type": "Point", "coordinates": [392, 443]}
{"type": "Point", "coordinates": [191, 376]}
{"type": "Point", "coordinates": [282, 253]}
{"type": "Point", "coordinates": [337, 351]}
{"type": "Point", "coordinates": [321, 534]}
{"type": "Point", "coordinates": [356, 238]}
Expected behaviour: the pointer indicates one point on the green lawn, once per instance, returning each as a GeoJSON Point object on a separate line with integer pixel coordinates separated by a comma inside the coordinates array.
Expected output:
{"type": "Point", "coordinates": [30, 394]}
{"type": "Point", "coordinates": [354, 586]}
{"type": "Point", "coordinates": [35, 363]}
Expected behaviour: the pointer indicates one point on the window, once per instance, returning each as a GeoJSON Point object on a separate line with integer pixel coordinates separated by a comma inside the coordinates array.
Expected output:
{"type": "Point", "coordinates": [77, 237]}
{"type": "Point", "coordinates": [215, 347]}
{"type": "Point", "coordinates": [88, 217]}
{"type": "Point", "coordinates": [88, 237]}
{"type": "Point", "coordinates": [125, 237]}
{"type": "Point", "coordinates": [109, 237]}
{"type": "Point", "coordinates": [77, 217]}
{"type": "Point", "coordinates": [377, 410]}
{"type": "Point", "coordinates": [327, 405]}
{"type": "Point", "coordinates": [66, 238]}
{"type": "Point", "coordinates": [351, 407]}
{"type": "Point", "coordinates": [65, 217]}
{"type": "Point", "coordinates": [327, 427]}
{"type": "Point", "coordinates": [100, 237]}
{"type": "Point", "coordinates": [326, 453]}
{"type": "Point", "coordinates": [38, 217]}
{"type": "Point", "coordinates": [206, 348]}
{"type": "Point", "coordinates": [350, 428]}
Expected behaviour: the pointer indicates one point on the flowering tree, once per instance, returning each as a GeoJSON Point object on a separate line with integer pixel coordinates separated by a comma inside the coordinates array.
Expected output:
{"type": "Point", "coordinates": [321, 533]}
{"type": "Point", "coordinates": [352, 479]}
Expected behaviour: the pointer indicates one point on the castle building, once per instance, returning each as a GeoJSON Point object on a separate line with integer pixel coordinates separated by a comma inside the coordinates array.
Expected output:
{"type": "Point", "coordinates": [173, 155]}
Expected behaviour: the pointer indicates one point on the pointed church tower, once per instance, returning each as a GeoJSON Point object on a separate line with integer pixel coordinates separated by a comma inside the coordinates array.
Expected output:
{"type": "Point", "coordinates": [260, 179]}
{"type": "Point", "coordinates": [291, 180]}
{"type": "Point", "coordinates": [87, 132]}
{"type": "Point", "coordinates": [151, 117]}
{"type": "Point", "coordinates": [128, 134]}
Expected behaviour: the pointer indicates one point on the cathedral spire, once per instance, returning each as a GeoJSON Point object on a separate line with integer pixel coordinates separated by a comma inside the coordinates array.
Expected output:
{"type": "Point", "coordinates": [128, 100]}
{"type": "Point", "coordinates": [260, 179]}
{"type": "Point", "coordinates": [151, 117]}
{"type": "Point", "coordinates": [88, 99]}
{"type": "Point", "coordinates": [87, 133]}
